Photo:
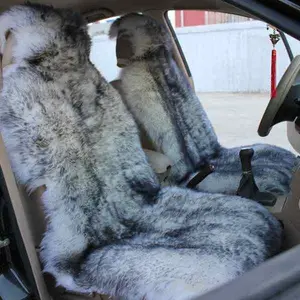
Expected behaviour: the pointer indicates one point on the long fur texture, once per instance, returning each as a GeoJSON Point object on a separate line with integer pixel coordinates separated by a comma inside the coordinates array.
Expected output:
{"type": "Point", "coordinates": [111, 228]}
{"type": "Point", "coordinates": [165, 106]}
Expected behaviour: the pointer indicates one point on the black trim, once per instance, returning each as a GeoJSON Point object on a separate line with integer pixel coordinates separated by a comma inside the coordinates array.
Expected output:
{"type": "Point", "coordinates": [18, 238]}
{"type": "Point", "coordinates": [286, 44]}
{"type": "Point", "coordinates": [278, 14]}
{"type": "Point", "coordinates": [291, 4]}
{"type": "Point", "coordinates": [178, 45]}
{"type": "Point", "coordinates": [200, 176]}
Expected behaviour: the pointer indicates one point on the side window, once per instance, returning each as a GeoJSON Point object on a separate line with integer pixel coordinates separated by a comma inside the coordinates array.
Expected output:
{"type": "Point", "coordinates": [229, 58]}
{"type": "Point", "coordinates": [103, 50]}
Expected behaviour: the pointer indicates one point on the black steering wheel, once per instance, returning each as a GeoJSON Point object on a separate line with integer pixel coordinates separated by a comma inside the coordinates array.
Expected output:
{"type": "Point", "coordinates": [286, 105]}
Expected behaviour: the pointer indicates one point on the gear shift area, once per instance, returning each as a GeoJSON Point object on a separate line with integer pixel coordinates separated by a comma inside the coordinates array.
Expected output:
{"type": "Point", "coordinates": [248, 188]}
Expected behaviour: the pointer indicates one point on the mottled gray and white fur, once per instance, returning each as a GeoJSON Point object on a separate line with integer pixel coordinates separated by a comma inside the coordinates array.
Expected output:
{"type": "Point", "coordinates": [164, 105]}
{"type": "Point", "coordinates": [111, 228]}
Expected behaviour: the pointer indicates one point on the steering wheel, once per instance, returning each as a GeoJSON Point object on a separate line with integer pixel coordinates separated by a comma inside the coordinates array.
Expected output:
{"type": "Point", "coordinates": [286, 105]}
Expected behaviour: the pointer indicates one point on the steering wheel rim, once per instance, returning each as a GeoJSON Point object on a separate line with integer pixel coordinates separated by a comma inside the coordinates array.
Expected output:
{"type": "Point", "coordinates": [283, 88]}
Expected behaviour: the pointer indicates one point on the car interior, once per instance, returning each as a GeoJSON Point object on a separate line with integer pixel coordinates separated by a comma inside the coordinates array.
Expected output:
{"type": "Point", "coordinates": [22, 213]}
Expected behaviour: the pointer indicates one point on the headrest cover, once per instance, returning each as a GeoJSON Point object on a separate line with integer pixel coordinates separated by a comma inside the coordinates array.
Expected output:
{"type": "Point", "coordinates": [138, 36]}
{"type": "Point", "coordinates": [29, 25]}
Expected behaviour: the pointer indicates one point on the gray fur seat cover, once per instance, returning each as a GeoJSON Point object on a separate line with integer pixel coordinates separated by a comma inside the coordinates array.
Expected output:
{"type": "Point", "coordinates": [111, 228]}
{"type": "Point", "coordinates": [163, 103]}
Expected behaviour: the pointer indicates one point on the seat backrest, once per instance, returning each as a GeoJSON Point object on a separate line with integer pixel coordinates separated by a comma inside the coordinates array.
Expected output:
{"type": "Point", "coordinates": [159, 95]}
{"type": "Point", "coordinates": [145, 140]}
{"type": "Point", "coordinates": [160, 163]}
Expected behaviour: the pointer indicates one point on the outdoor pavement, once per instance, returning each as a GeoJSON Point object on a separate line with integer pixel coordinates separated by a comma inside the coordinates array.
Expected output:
{"type": "Point", "coordinates": [236, 117]}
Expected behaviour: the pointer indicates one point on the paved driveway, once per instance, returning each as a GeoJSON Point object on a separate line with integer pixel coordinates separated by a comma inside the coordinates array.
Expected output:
{"type": "Point", "coordinates": [236, 117]}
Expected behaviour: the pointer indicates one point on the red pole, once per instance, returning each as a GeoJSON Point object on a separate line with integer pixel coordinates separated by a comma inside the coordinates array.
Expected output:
{"type": "Point", "coordinates": [273, 74]}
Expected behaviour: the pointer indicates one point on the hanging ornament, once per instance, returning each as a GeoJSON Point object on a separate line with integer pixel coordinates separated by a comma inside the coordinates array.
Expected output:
{"type": "Point", "coordinates": [274, 37]}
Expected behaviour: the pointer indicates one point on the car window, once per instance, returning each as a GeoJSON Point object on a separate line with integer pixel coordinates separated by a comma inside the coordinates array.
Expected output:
{"type": "Point", "coordinates": [229, 57]}
{"type": "Point", "coordinates": [103, 50]}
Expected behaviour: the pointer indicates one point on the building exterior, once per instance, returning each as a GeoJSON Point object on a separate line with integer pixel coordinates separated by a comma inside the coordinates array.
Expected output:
{"type": "Point", "coordinates": [178, 19]}
{"type": "Point", "coordinates": [184, 18]}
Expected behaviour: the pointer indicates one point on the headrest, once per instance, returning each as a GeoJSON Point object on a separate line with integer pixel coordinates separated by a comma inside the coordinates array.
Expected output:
{"type": "Point", "coordinates": [138, 36]}
{"type": "Point", "coordinates": [35, 29]}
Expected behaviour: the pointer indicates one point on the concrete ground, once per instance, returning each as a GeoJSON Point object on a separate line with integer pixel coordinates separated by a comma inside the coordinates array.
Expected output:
{"type": "Point", "coordinates": [236, 117]}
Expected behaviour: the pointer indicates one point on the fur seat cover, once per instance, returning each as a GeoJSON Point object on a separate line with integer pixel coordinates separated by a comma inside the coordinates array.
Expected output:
{"type": "Point", "coordinates": [164, 104]}
{"type": "Point", "coordinates": [111, 228]}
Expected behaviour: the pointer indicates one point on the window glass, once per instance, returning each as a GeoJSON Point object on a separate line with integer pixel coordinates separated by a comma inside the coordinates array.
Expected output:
{"type": "Point", "coordinates": [229, 57]}
{"type": "Point", "coordinates": [103, 50]}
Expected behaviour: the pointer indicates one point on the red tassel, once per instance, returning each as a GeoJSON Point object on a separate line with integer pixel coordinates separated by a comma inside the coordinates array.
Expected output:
{"type": "Point", "coordinates": [273, 74]}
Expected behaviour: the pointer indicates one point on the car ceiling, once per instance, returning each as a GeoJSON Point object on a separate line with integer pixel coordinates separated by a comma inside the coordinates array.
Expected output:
{"type": "Point", "coordinates": [118, 7]}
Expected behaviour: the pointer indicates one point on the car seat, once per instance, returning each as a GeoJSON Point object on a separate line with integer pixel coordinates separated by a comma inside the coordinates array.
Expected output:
{"type": "Point", "coordinates": [30, 216]}
{"type": "Point", "coordinates": [166, 107]}
{"type": "Point", "coordinates": [28, 207]}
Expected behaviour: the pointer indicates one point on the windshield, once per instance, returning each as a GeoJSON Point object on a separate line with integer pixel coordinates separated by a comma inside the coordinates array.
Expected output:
{"type": "Point", "coordinates": [229, 58]}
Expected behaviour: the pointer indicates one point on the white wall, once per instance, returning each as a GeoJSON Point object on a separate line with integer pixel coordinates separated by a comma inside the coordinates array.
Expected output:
{"type": "Point", "coordinates": [103, 55]}
{"type": "Point", "coordinates": [223, 58]}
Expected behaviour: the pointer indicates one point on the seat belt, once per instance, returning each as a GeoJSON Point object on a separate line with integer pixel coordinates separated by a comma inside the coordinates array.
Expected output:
{"type": "Point", "coordinates": [204, 171]}
{"type": "Point", "coordinates": [16, 196]}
